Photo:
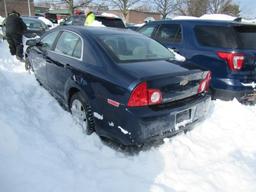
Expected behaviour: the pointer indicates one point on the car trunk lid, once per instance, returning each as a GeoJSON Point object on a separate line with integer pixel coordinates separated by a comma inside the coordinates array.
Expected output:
{"type": "Point", "coordinates": [174, 81]}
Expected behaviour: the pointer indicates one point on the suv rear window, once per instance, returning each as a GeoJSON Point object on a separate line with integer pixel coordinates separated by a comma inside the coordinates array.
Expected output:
{"type": "Point", "coordinates": [111, 22]}
{"type": "Point", "coordinates": [234, 37]}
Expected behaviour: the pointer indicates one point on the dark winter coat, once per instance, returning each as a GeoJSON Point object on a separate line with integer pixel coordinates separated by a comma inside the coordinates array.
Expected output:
{"type": "Point", "coordinates": [14, 24]}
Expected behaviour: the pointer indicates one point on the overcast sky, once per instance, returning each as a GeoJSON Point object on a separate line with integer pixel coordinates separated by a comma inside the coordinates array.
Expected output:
{"type": "Point", "coordinates": [248, 7]}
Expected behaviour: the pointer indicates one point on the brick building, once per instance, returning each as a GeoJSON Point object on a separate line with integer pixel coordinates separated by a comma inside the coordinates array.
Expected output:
{"type": "Point", "coordinates": [20, 6]}
{"type": "Point", "coordinates": [135, 16]}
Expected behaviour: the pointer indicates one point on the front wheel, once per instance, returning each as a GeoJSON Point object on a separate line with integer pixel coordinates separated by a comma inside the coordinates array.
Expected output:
{"type": "Point", "coordinates": [82, 113]}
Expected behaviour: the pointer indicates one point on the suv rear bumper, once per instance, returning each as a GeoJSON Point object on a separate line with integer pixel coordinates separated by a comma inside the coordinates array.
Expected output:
{"type": "Point", "coordinates": [226, 95]}
{"type": "Point", "coordinates": [228, 89]}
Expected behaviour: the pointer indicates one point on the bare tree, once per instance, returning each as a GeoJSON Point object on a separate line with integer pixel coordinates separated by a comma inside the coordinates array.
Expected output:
{"type": "Point", "coordinates": [124, 5]}
{"type": "Point", "coordinates": [224, 6]}
{"type": "Point", "coordinates": [165, 7]}
{"type": "Point", "coordinates": [192, 7]}
{"type": "Point", "coordinates": [72, 6]}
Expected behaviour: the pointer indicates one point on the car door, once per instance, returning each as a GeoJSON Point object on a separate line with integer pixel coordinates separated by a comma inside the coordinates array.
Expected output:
{"type": "Point", "coordinates": [67, 54]}
{"type": "Point", "coordinates": [39, 55]}
{"type": "Point", "coordinates": [169, 35]}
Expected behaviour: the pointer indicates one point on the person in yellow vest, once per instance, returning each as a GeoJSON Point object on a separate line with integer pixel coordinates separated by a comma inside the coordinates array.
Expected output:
{"type": "Point", "coordinates": [90, 18]}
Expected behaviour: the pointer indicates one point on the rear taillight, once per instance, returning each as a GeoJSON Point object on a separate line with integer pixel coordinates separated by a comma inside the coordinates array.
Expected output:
{"type": "Point", "coordinates": [205, 83]}
{"type": "Point", "coordinates": [142, 96]}
{"type": "Point", "coordinates": [235, 60]}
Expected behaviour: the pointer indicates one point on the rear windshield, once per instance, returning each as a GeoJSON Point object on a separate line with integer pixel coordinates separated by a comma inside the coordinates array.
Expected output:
{"type": "Point", "coordinates": [111, 22]}
{"type": "Point", "coordinates": [126, 48]}
{"type": "Point", "coordinates": [236, 37]}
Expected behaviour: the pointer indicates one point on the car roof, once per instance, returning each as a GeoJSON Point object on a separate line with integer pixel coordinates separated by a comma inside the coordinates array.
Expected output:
{"type": "Point", "coordinates": [98, 30]}
{"type": "Point", "coordinates": [31, 18]}
{"type": "Point", "coordinates": [97, 16]}
{"type": "Point", "coordinates": [200, 21]}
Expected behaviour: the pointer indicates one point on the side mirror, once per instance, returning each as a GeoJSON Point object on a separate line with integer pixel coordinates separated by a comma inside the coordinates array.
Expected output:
{"type": "Point", "coordinates": [32, 42]}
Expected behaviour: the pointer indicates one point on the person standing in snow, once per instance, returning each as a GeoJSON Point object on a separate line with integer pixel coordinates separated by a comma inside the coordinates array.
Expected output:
{"type": "Point", "coordinates": [90, 18]}
{"type": "Point", "coordinates": [15, 28]}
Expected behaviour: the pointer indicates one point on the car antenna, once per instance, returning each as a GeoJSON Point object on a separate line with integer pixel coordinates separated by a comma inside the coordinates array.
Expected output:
{"type": "Point", "coordinates": [238, 19]}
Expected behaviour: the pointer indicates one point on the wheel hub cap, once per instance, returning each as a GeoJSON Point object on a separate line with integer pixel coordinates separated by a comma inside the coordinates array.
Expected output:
{"type": "Point", "coordinates": [79, 113]}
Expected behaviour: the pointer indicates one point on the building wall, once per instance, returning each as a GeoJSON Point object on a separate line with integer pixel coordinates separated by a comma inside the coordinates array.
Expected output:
{"type": "Point", "coordinates": [20, 6]}
{"type": "Point", "coordinates": [136, 17]}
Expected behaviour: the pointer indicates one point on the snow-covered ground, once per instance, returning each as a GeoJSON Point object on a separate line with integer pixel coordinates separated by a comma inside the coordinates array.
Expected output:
{"type": "Point", "coordinates": [42, 150]}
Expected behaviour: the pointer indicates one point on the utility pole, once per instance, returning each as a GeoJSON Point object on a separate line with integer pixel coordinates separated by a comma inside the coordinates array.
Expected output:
{"type": "Point", "coordinates": [29, 10]}
{"type": "Point", "coordinates": [5, 9]}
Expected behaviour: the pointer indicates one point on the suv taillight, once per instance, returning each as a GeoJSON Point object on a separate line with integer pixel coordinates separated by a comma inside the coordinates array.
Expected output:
{"type": "Point", "coordinates": [235, 60]}
{"type": "Point", "coordinates": [205, 83]}
{"type": "Point", "coordinates": [142, 96]}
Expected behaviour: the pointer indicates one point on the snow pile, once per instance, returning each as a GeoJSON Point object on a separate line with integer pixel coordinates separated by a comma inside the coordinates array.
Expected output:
{"type": "Point", "coordinates": [184, 17]}
{"type": "Point", "coordinates": [96, 23]}
{"type": "Point", "coordinates": [222, 17]}
{"type": "Point", "coordinates": [177, 56]}
{"type": "Point", "coordinates": [109, 15]}
{"type": "Point", "coordinates": [1, 20]}
{"type": "Point", "coordinates": [41, 149]}
{"type": "Point", "coordinates": [139, 25]}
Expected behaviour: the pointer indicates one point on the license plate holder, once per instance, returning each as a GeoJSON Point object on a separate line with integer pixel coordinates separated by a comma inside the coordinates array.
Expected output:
{"type": "Point", "coordinates": [183, 117]}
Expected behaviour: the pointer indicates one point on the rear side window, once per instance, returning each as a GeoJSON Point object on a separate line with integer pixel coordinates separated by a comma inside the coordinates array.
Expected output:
{"type": "Point", "coordinates": [147, 30]}
{"type": "Point", "coordinates": [246, 36]}
{"type": "Point", "coordinates": [169, 33]}
{"type": "Point", "coordinates": [69, 44]}
{"type": "Point", "coordinates": [216, 36]}
{"type": "Point", "coordinates": [49, 39]}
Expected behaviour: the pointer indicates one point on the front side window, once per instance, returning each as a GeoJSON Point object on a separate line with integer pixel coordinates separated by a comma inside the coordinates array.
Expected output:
{"type": "Point", "coordinates": [127, 48]}
{"type": "Point", "coordinates": [69, 44]}
{"type": "Point", "coordinates": [169, 33]}
{"type": "Point", "coordinates": [32, 24]}
{"type": "Point", "coordinates": [147, 30]}
{"type": "Point", "coordinates": [49, 39]}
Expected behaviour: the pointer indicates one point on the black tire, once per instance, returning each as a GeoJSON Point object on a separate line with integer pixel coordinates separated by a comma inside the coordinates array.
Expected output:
{"type": "Point", "coordinates": [90, 124]}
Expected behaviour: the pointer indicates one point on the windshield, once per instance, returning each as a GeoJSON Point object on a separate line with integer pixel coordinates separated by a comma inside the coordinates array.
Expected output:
{"type": "Point", "coordinates": [125, 48]}
{"type": "Point", "coordinates": [34, 24]}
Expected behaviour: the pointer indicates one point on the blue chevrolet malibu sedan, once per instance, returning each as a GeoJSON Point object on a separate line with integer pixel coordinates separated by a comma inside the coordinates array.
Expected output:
{"type": "Point", "coordinates": [123, 85]}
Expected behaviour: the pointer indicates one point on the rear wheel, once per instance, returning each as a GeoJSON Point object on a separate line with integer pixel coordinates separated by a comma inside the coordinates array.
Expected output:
{"type": "Point", "coordinates": [82, 113]}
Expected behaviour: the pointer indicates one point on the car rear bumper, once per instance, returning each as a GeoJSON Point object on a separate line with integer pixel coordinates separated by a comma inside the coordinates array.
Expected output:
{"type": "Point", "coordinates": [136, 126]}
